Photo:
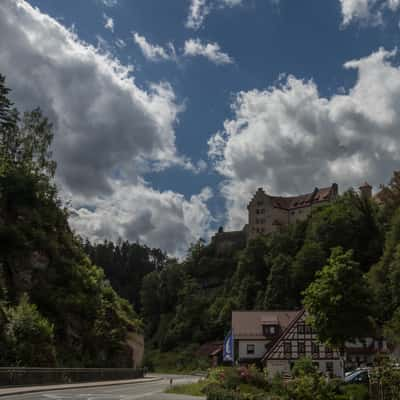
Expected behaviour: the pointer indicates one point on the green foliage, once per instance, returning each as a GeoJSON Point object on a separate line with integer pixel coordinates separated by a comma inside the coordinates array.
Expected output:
{"type": "Point", "coordinates": [175, 361]}
{"type": "Point", "coordinates": [190, 389]}
{"type": "Point", "coordinates": [125, 265]}
{"type": "Point", "coordinates": [354, 392]}
{"type": "Point", "coordinates": [339, 301]}
{"type": "Point", "coordinates": [303, 366]}
{"type": "Point", "coordinates": [352, 223]}
{"type": "Point", "coordinates": [385, 380]}
{"type": "Point", "coordinates": [28, 336]}
{"type": "Point", "coordinates": [73, 307]}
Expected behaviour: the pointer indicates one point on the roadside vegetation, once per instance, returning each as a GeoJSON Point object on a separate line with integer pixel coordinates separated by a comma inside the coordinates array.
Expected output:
{"type": "Point", "coordinates": [227, 383]}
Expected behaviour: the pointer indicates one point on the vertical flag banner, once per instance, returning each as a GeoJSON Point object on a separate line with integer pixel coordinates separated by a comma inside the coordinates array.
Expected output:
{"type": "Point", "coordinates": [228, 347]}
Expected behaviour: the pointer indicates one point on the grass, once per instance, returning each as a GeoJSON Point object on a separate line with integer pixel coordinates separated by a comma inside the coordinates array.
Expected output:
{"type": "Point", "coordinates": [190, 389]}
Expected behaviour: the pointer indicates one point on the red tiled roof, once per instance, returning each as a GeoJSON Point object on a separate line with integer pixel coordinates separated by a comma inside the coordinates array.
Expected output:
{"type": "Point", "coordinates": [303, 200]}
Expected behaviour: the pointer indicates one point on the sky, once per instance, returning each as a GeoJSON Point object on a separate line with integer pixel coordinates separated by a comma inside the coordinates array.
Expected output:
{"type": "Point", "coordinates": [169, 114]}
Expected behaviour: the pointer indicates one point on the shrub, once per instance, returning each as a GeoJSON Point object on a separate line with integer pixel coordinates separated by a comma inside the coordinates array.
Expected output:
{"type": "Point", "coordinates": [355, 392]}
{"type": "Point", "coordinates": [29, 336]}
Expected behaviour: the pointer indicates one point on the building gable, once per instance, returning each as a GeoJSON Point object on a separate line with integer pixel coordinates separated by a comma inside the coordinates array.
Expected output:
{"type": "Point", "coordinates": [297, 341]}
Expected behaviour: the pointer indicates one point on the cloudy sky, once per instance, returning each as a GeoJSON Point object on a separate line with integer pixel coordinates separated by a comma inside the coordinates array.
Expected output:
{"type": "Point", "coordinates": [169, 114]}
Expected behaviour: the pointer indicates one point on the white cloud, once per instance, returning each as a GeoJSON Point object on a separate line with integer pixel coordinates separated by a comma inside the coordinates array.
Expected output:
{"type": "Point", "coordinates": [366, 11]}
{"type": "Point", "coordinates": [289, 139]}
{"type": "Point", "coordinates": [161, 219]}
{"type": "Point", "coordinates": [154, 52]}
{"type": "Point", "coordinates": [106, 127]}
{"type": "Point", "coordinates": [198, 11]}
{"type": "Point", "coordinates": [108, 3]}
{"type": "Point", "coordinates": [120, 43]}
{"type": "Point", "coordinates": [212, 51]}
{"type": "Point", "coordinates": [108, 23]}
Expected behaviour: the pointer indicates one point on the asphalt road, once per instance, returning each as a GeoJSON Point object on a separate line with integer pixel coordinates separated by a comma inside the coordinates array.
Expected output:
{"type": "Point", "coordinates": [136, 391]}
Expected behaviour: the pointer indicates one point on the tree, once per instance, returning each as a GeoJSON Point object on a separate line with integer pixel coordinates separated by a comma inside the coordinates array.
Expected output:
{"type": "Point", "coordinates": [384, 277]}
{"type": "Point", "coordinates": [352, 223]}
{"type": "Point", "coordinates": [29, 336]}
{"type": "Point", "coordinates": [310, 259]}
{"type": "Point", "coordinates": [278, 293]}
{"type": "Point", "coordinates": [339, 300]}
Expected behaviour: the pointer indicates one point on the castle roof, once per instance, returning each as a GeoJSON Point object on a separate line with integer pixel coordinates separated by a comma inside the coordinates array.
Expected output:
{"type": "Point", "coordinates": [304, 200]}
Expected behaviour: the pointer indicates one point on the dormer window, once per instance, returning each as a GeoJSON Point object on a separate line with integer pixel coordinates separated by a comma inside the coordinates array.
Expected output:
{"type": "Point", "coordinates": [270, 330]}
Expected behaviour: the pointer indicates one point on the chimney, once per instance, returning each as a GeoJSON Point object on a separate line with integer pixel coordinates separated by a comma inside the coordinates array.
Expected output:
{"type": "Point", "coordinates": [366, 190]}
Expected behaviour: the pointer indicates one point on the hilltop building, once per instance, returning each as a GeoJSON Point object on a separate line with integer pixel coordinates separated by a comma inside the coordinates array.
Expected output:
{"type": "Point", "coordinates": [268, 213]}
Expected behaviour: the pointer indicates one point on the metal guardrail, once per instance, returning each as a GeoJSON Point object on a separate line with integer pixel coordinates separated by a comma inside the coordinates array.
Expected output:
{"type": "Point", "coordinates": [45, 376]}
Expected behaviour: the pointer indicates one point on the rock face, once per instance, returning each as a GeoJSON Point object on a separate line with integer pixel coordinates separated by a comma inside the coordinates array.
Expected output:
{"type": "Point", "coordinates": [136, 343]}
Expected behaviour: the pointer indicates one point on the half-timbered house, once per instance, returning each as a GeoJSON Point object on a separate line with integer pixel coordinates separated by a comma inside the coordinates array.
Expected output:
{"type": "Point", "coordinates": [255, 331]}
{"type": "Point", "coordinates": [297, 341]}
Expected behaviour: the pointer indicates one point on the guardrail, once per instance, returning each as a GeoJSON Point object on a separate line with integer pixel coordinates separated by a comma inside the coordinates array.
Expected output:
{"type": "Point", "coordinates": [48, 376]}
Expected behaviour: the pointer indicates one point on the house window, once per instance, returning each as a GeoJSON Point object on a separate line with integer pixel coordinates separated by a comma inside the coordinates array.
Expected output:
{"type": "Point", "coordinates": [270, 330]}
{"type": "Point", "coordinates": [287, 349]}
{"type": "Point", "coordinates": [300, 329]}
{"type": "Point", "coordinates": [308, 329]}
{"type": "Point", "coordinates": [251, 348]}
{"type": "Point", "coordinates": [329, 367]}
{"type": "Point", "coordinates": [315, 350]}
{"type": "Point", "coordinates": [301, 349]}
{"type": "Point", "coordinates": [328, 352]}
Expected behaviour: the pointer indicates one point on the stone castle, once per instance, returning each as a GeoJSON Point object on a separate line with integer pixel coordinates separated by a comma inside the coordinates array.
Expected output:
{"type": "Point", "coordinates": [267, 214]}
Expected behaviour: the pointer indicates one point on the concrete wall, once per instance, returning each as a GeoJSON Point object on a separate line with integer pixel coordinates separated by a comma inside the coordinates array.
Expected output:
{"type": "Point", "coordinates": [259, 349]}
{"type": "Point", "coordinates": [47, 376]}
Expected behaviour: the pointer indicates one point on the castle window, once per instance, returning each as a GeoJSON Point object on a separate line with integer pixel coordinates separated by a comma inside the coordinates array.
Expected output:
{"type": "Point", "coordinates": [260, 203]}
{"type": "Point", "coordinates": [257, 211]}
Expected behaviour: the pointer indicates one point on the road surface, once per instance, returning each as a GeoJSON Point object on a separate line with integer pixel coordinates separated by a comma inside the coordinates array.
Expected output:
{"type": "Point", "coordinates": [135, 391]}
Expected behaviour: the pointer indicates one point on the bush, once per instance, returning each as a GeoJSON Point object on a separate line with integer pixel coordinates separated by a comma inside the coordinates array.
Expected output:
{"type": "Point", "coordinates": [29, 337]}
{"type": "Point", "coordinates": [355, 392]}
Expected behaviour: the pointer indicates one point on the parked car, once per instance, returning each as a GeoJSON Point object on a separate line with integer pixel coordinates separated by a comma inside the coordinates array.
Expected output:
{"type": "Point", "coordinates": [360, 376]}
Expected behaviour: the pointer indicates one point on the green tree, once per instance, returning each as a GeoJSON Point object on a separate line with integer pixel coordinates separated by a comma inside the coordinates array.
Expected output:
{"type": "Point", "coordinates": [352, 223]}
{"type": "Point", "coordinates": [278, 294]}
{"type": "Point", "coordinates": [29, 336]}
{"type": "Point", "coordinates": [310, 259]}
{"type": "Point", "coordinates": [339, 300]}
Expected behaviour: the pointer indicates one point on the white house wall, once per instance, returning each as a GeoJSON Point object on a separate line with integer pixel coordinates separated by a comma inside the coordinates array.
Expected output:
{"type": "Point", "coordinates": [259, 349]}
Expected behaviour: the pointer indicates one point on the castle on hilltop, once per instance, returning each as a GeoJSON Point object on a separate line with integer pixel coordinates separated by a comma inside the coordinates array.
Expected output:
{"type": "Point", "coordinates": [269, 213]}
